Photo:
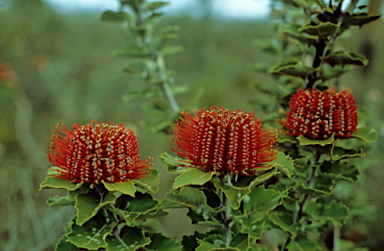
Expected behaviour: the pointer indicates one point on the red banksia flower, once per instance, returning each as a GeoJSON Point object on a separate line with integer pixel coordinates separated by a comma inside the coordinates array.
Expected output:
{"type": "Point", "coordinates": [219, 140]}
{"type": "Point", "coordinates": [97, 152]}
{"type": "Point", "coordinates": [317, 115]}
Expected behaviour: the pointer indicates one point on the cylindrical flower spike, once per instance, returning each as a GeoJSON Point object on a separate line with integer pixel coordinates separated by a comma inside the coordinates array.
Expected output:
{"type": "Point", "coordinates": [97, 152]}
{"type": "Point", "coordinates": [219, 140]}
{"type": "Point", "coordinates": [317, 115]}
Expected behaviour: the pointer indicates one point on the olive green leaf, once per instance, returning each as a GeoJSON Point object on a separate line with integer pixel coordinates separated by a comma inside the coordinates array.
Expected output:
{"type": "Point", "coordinates": [87, 206]}
{"type": "Point", "coordinates": [258, 204]}
{"type": "Point", "coordinates": [292, 67]}
{"type": "Point", "coordinates": [175, 164]}
{"type": "Point", "coordinates": [256, 229]}
{"type": "Point", "coordinates": [161, 243]}
{"type": "Point", "coordinates": [344, 58]}
{"type": "Point", "coordinates": [52, 182]}
{"type": "Point", "coordinates": [360, 19]}
{"type": "Point", "coordinates": [292, 30]}
{"type": "Point", "coordinates": [339, 171]}
{"type": "Point", "coordinates": [65, 245]}
{"type": "Point", "coordinates": [302, 243]}
{"type": "Point", "coordinates": [112, 16]}
{"type": "Point", "coordinates": [284, 221]}
{"type": "Point", "coordinates": [92, 234]}
{"type": "Point", "coordinates": [305, 141]}
{"type": "Point", "coordinates": [193, 176]}
{"type": "Point", "coordinates": [131, 208]}
{"type": "Point", "coordinates": [150, 183]}
{"type": "Point", "coordinates": [186, 198]}
{"type": "Point", "coordinates": [335, 212]}
{"type": "Point", "coordinates": [284, 163]}
{"type": "Point", "coordinates": [367, 134]}
{"type": "Point", "coordinates": [322, 30]}
{"type": "Point", "coordinates": [339, 153]}
{"type": "Point", "coordinates": [130, 239]}
{"type": "Point", "coordinates": [126, 187]}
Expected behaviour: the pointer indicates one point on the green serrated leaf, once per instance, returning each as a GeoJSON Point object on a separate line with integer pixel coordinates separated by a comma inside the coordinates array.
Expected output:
{"type": "Point", "coordinates": [131, 208]}
{"type": "Point", "coordinates": [305, 141]}
{"type": "Point", "coordinates": [339, 153]}
{"type": "Point", "coordinates": [322, 185]}
{"type": "Point", "coordinates": [256, 229]}
{"type": "Point", "coordinates": [260, 202]}
{"type": "Point", "coordinates": [302, 243]}
{"type": "Point", "coordinates": [284, 221]}
{"type": "Point", "coordinates": [292, 30]}
{"type": "Point", "coordinates": [292, 67]}
{"type": "Point", "coordinates": [367, 134]}
{"type": "Point", "coordinates": [284, 163]}
{"type": "Point", "coordinates": [193, 176]}
{"type": "Point", "coordinates": [186, 198]}
{"type": "Point", "coordinates": [149, 183]}
{"type": "Point", "coordinates": [87, 206]}
{"type": "Point", "coordinates": [234, 194]}
{"type": "Point", "coordinates": [155, 5]}
{"type": "Point", "coordinates": [92, 234]}
{"type": "Point", "coordinates": [340, 171]}
{"type": "Point", "coordinates": [112, 16]}
{"type": "Point", "coordinates": [130, 239]}
{"type": "Point", "coordinates": [207, 246]}
{"type": "Point", "coordinates": [345, 58]}
{"type": "Point", "coordinates": [335, 212]}
{"type": "Point", "coordinates": [239, 242]}
{"type": "Point", "coordinates": [263, 177]}
{"type": "Point", "coordinates": [360, 19]}
{"type": "Point", "coordinates": [322, 29]}
{"type": "Point", "coordinates": [61, 201]}
{"type": "Point", "coordinates": [161, 243]}
{"type": "Point", "coordinates": [65, 245]}
{"type": "Point", "coordinates": [51, 182]}
{"type": "Point", "coordinates": [152, 215]}
{"type": "Point", "coordinates": [175, 164]}
{"type": "Point", "coordinates": [126, 187]}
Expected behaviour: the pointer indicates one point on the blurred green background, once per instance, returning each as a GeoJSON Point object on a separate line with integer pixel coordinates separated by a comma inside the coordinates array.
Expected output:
{"type": "Point", "coordinates": [59, 68]}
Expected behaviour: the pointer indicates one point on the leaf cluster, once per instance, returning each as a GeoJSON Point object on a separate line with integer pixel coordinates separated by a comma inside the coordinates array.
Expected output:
{"type": "Point", "coordinates": [111, 216]}
{"type": "Point", "coordinates": [240, 203]}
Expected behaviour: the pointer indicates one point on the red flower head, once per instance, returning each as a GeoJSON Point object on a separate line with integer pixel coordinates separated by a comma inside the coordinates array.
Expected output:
{"type": "Point", "coordinates": [219, 140]}
{"type": "Point", "coordinates": [317, 115]}
{"type": "Point", "coordinates": [97, 152]}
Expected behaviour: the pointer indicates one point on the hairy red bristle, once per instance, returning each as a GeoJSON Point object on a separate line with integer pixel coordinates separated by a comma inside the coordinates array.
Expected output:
{"type": "Point", "coordinates": [97, 152]}
{"type": "Point", "coordinates": [219, 140]}
{"type": "Point", "coordinates": [317, 115]}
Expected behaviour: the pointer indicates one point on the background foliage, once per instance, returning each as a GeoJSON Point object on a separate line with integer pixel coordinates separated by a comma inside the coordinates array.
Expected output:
{"type": "Point", "coordinates": [64, 72]}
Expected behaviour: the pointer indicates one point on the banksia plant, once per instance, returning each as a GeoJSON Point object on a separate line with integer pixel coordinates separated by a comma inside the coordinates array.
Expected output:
{"type": "Point", "coordinates": [318, 114]}
{"type": "Point", "coordinates": [219, 140]}
{"type": "Point", "coordinates": [224, 157]}
{"type": "Point", "coordinates": [234, 177]}
{"type": "Point", "coordinates": [109, 185]}
{"type": "Point", "coordinates": [97, 152]}
{"type": "Point", "coordinates": [318, 123]}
